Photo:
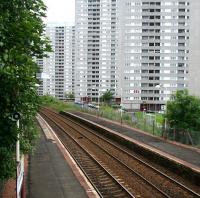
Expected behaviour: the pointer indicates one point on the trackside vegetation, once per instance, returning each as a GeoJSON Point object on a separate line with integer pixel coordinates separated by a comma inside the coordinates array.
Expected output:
{"type": "Point", "coordinates": [153, 123]}
{"type": "Point", "coordinates": [21, 40]}
{"type": "Point", "coordinates": [58, 105]}
{"type": "Point", "coordinates": [137, 120]}
{"type": "Point", "coordinates": [183, 115]}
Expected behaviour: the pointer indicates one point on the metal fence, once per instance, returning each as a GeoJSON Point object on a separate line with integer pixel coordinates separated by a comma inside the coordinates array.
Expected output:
{"type": "Point", "coordinates": [147, 123]}
{"type": "Point", "coordinates": [185, 137]}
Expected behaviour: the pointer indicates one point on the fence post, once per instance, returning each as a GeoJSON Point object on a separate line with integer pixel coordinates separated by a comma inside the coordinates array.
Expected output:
{"type": "Point", "coordinates": [144, 117]}
{"type": "Point", "coordinates": [165, 130]}
{"type": "Point", "coordinates": [153, 126]}
{"type": "Point", "coordinates": [174, 133]}
{"type": "Point", "coordinates": [190, 138]}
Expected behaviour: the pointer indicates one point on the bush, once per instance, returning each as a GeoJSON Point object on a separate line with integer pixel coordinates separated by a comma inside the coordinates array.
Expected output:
{"type": "Point", "coordinates": [58, 105]}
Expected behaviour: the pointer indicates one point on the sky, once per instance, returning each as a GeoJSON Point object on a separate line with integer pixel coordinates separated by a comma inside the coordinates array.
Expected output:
{"type": "Point", "coordinates": [60, 11]}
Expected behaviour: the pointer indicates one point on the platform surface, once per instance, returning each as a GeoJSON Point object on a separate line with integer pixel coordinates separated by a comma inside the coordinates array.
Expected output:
{"type": "Point", "coordinates": [49, 174]}
{"type": "Point", "coordinates": [184, 153]}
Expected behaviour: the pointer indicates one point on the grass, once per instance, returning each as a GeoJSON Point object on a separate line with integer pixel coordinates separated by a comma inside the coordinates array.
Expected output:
{"type": "Point", "coordinates": [58, 105]}
{"type": "Point", "coordinates": [151, 123]}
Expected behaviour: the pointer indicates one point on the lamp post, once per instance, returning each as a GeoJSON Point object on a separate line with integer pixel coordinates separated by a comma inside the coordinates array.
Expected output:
{"type": "Point", "coordinates": [157, 86]}
{"type": "Point", "coordinates": [20, 169]}
{"type": "Point", "coordinates": [17, 145]}
{"type": "Point", "coordinates": [121, 106]}
{"type": "Point", "coordinates": [16, 117]}
{"type": "Point", "coordinates": [165, 109]}
{"type": "Point", "coordinates": [98, 101]}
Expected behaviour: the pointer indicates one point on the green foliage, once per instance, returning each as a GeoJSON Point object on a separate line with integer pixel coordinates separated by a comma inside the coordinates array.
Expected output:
{"type": "Point", "coordinates": [7, 165]}
{"type": "Point", "coordinates": [21, 39]}
{"type": "Point", "coordinates": [110, 113]}
{"type": "Point", "coordinates": [70, 96]}
{"type": "Point", "coordinates": [107, 96]}
{"type": "Point", "coordinates": [114, 106]}
{"type": "Point", "coordinates": [160, 118]}
{"type": "Point", "coordinates": [183, 111]}
{"type": "Point", "coordinates": [58, 105]}
{"type": "Point", "coordinates": [114, 114]}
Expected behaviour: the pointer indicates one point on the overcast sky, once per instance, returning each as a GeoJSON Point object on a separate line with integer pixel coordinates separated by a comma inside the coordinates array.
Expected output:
{"type": "Point", "coordinates": [60, 11]}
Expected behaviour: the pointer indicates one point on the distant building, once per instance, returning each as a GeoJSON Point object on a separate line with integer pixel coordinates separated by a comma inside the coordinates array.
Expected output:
{"type": "Point", "coordinates": [155, 51]}
{"type": "Point", "coordinates": [194, 48]}
{"type": "Point", "coordinates": [95, 50]}
{"type": "Point", "coordinates": [57, 71]}
{"type": "Point", "coordinates": [143, 50]}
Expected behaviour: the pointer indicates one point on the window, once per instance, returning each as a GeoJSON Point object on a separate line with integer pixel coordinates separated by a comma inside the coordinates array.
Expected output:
{"type": "Point", "coordinates": [181, 3]}
{"type": "Point", "coordinates": [181, 10]}
{"type": "Point", "coordinates": [181, 30]}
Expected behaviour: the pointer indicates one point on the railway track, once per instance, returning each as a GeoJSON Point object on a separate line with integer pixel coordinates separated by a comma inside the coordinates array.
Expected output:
{"type": "Point", "coordinates": [132, 174]}
{"type": "Point", "coordinates": [104, 183]}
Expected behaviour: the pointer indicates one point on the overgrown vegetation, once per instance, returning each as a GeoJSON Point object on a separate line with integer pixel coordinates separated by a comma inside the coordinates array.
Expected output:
{"type": "Point", "coordinates": [149, 122]}
{"type": "Point", "coordinates": [69, 96]}
{"type": "Point", "coordinates": [183, 115]}
{"type": "Point", "coordinates": [137, 120]}
{"type": "Point", "coordinates": [183, 111]}
{"type": "Point", "coordinates": [21, 39]}
{"type": "Point", "coordinates": [56, 104]}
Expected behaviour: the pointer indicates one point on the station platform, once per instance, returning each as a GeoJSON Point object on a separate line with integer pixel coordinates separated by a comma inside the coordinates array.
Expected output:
{"type": "Point", "coordinates": [179, 153]}
{"type": "Point", "coordinates": [53, 173]}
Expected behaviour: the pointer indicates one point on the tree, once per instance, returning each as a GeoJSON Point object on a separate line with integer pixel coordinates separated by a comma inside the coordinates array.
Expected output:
{"type": "Point", "coordinates": [70, 96]}
{"type": "Point", "coordinates": [183, 111]}
{"type": "Point", "coordinates": [107, 96]}
{"type": "Point", "coordinates": [21, 39]}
